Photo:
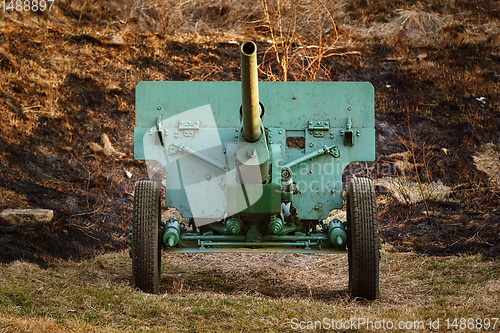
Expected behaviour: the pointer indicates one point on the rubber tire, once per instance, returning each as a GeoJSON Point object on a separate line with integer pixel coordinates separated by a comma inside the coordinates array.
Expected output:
{"type": "Point", "coordinates": [146, 244]}
{"type": "Point", "coordinates": [363, 239]}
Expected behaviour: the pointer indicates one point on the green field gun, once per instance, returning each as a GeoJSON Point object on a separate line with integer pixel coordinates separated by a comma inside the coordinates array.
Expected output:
{"type": "Point", "coordinates": [255, 167]}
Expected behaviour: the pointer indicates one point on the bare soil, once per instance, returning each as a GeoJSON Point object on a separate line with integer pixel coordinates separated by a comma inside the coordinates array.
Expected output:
{"type": "Point", "coordinates": [67, 83]}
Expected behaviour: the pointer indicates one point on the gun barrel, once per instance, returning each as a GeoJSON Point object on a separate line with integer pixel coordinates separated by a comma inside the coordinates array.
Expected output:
{"type": "Point", "coordinates": [250, 92]}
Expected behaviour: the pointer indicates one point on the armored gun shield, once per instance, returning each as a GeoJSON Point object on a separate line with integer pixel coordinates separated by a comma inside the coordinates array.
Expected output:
{"type": "Point", "coordinates": [258, 167]}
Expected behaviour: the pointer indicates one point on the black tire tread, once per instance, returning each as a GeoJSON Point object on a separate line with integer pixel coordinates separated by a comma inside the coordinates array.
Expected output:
{"type": "Point", "coordinates": [363, 239]}
{"type": "Point", "coordinates": [146, 248]}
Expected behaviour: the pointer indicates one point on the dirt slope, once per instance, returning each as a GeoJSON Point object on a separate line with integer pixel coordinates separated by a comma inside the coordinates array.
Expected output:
{"type": "Point", "coordinates": [67, 83]}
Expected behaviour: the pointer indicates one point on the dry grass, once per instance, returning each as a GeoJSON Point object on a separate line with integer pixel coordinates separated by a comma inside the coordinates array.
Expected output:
{"type": "Point", "coordinates": [12, 199]}
{"type": "Point", "coordinates": [224, 20]}
{"type": "Point", "coordinates": [420, 27]}
{"type": "Point", "coordinates": [255, 293]}
{"type": "Point", "coordinates": [487, 160]}
{"type": "Point", "coordinates": [197, 16]}
{"type": "Point", "coordinates": [302, 34]}
{"type": "Point", "coordinates": [409, 192]}
{"type": "Point", "coordinates": [414, 181]}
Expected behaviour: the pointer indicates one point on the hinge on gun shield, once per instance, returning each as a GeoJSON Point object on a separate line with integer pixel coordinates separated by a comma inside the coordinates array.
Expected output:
{"type": "Point", "coordinates": [188, 127]}
{"type": "Point", "coordinates": [318, 128]}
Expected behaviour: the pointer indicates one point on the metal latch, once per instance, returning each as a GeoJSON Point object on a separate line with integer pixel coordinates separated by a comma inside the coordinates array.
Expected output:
{"type": "Point", "coordinates": [347, 134]}
{"type": "Point", "coordinates": [188, 127]}
{"type": "Point", "coordinates": [318, 128]}
{"type": "Point", "coordinates": [159, 131]}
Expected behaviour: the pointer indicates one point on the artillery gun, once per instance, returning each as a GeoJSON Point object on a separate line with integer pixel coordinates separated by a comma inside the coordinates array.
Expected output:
{"type": "Point", "coordinates": [265, 181]}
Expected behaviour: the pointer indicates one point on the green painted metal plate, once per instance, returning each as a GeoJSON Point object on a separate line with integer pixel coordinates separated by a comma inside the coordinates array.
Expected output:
{"type": "Point", "coordinates": [249, 250]}
{"type": "Point", "coordinates": [291, 110]}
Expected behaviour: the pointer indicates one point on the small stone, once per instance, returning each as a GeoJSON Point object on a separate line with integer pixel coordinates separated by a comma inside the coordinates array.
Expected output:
{"type": "Point", "coordinates": [27, 217]}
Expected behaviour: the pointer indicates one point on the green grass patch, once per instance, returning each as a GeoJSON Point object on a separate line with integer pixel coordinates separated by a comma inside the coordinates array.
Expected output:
{"type": "Point", "coordinates": [212, 281]}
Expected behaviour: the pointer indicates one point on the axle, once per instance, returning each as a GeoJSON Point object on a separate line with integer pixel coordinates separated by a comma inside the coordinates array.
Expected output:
{"type": "Point", "coordinates": [330, 234]}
